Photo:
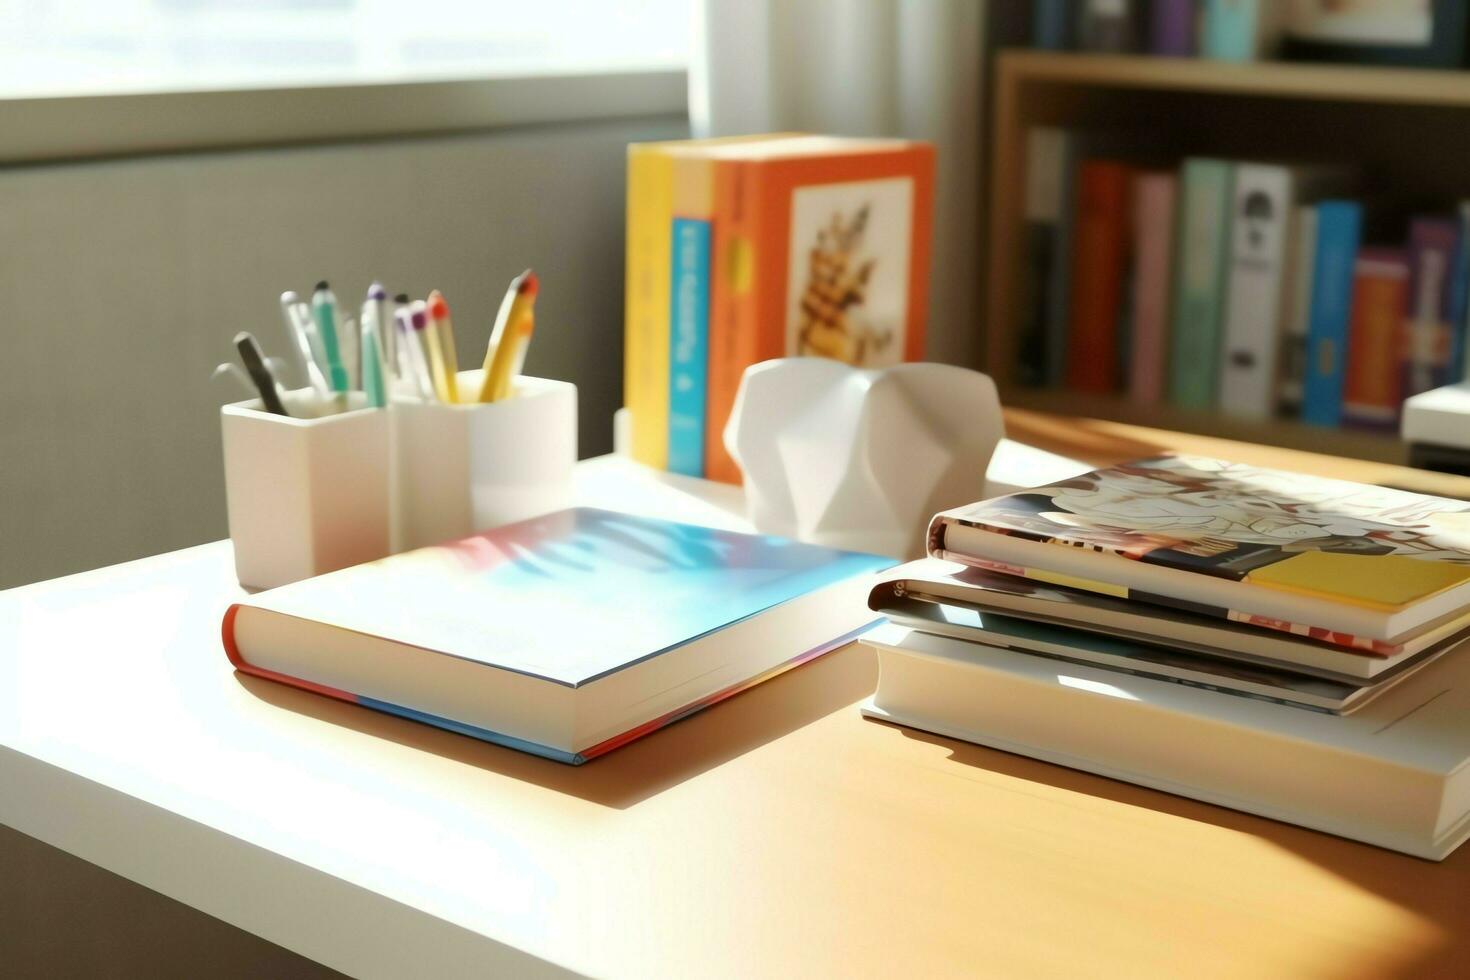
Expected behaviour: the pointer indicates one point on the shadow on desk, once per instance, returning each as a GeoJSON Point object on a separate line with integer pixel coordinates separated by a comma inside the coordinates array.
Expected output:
{"type": "Point", "coordinates": [1440, 893]}
{"type": "Point", "coordinates": [635, 772]}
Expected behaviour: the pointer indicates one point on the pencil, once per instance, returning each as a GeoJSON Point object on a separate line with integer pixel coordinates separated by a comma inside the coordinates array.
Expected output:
{"type": "Point", "coordinates": [512, 334]}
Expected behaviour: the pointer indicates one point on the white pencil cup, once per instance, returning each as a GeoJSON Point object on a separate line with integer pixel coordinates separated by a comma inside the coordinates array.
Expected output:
{"type": "Point", "coordinates": [304, 495]}
{"type": "Point", "coordinates": [463, 468]}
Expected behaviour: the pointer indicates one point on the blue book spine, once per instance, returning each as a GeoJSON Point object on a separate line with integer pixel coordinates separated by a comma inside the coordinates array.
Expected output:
{"type": "Point", "coordinates": [688, 345]}
{"type": "Point", "coordinates": [1230, 29]}
{"type": "Point", "coordinates": [1459, 302]}
{"type": "Point", "coordinates": [1339, 228]}
{"type": "Point", "coordinates": [1051, 24]}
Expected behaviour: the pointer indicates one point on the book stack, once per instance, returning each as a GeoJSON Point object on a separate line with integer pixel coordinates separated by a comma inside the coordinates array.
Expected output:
{"type": "Point", "coordinates": [1257, 289]}
{"type": "Point", "coordinates": [744, 249]}
{"type": "Point", "coordinates": [1282, 644]}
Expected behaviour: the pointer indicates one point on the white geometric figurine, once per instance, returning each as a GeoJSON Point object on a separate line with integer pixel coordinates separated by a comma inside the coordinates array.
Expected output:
{"type": "Point", "coordinates": [848, 458]}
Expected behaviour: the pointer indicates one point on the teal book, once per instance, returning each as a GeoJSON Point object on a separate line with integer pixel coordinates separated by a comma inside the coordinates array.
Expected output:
{"type": "Point", "coordinates": [1241, 30]}
{"type": "Point", "coordinates": [688, 344]}
{"type": "Point", "coordinates": [1200, 268]}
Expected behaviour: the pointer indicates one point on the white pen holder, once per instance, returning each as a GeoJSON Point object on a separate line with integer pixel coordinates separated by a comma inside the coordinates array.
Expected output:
{"type": "Point", "coordinates": [463, 468]}
{"type": "Point", "coordinates": [305, 495]}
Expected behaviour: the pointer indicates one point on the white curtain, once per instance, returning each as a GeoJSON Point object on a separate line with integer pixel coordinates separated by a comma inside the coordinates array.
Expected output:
{"type": "Point", "coordinates": [908, 68]}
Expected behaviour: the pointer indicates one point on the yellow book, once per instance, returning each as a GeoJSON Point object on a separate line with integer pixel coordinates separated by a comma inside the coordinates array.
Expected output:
{"type": "Point", "coordinates": [646, 299]}
{"type": "Point", "coordinates": [654, 185]}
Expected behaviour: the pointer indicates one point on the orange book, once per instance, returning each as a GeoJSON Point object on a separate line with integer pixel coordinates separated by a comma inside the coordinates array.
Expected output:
{"type": "Point", "coordinates": [1373, 381]}
{"type": "Point", "coordinates": [1099, 266]}
{"type": "Point", "coordinates": [821, 249]}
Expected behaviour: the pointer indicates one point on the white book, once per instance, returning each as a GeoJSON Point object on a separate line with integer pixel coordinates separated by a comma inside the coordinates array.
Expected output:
{"type": "Point", "coordinates": [1259, 299]}
{"type": "Point", "coordinates": [1395, 774]}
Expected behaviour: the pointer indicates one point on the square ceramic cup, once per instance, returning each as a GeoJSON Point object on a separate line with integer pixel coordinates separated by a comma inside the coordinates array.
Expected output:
{"type": "Point", "coordinates": [305, 495]}
{"type": "Point", "coordinates": [468, 467]}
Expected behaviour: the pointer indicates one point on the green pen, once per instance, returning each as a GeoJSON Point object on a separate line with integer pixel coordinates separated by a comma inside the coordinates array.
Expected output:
{"type": "Point", "coordinates": [324, 306]}
{"type": "Point", "coordinates": [372, 360]}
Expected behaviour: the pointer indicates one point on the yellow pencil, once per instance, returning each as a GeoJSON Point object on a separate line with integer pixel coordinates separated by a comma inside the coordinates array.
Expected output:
{"type": "Point", "coordinates": [513, 326]}
{"type": "Point", "coordinates": [445, 368]}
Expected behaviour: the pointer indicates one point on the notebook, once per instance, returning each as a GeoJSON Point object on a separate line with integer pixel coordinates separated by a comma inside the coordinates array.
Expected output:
{"type": "Point", "coordinates": [1283, 550]}
{"type": "Point", "coordinates": [567, 635]}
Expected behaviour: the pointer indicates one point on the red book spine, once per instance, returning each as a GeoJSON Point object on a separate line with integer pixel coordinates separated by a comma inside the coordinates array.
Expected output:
{"type": "Point", "coordinates": [1099, 264]}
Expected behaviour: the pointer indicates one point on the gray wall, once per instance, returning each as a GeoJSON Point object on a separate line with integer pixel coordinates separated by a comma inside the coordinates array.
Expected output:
{"type": "Point", "coordinates": [122, 282]}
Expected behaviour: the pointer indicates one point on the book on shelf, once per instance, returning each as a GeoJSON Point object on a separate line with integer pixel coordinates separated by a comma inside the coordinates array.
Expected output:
{"type": "Point", "coordinates": [1232, 541]}
{"type": "Point", "coordinates": [1154, 194]}
{"type": "Point", "coordinates": [566, 636]}
{"type": "Point", "coordinates": [1259, 293]}
{"type": "Point", "coordinates": [1047, 171]}
{"type": "Point", "coordinates": [1395, 773]}
{"type": "Point", "coordinates": [1100, 247]}
{"type": "Point", "coordinates": [1199, 281]}
{"type": "Point", "coordinates": [1428, 346]}
{"type": "Point", "coordinates": [751, 248]}
{"type": "Point", "coordinates": [1111, 26]}
{"type": "Point", "coordinates": [1174, 28]}
{"type": "Point", "coordinates": [1241, 30]}
{"type": "Point", "coordinates": [1372, 377]}
{"type": "Point", "coordinates": [1297, 310]}
{"type": "Point", "coordinates": [1339, 229]}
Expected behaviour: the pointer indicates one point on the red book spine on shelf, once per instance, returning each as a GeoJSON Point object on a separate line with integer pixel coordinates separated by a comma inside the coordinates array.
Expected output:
{"type": "Point", "coordinates": [1099, 263]}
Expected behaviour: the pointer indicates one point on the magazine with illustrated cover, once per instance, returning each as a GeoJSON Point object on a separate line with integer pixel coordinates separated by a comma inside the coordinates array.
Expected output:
{"type": "Point", "coordinates": [949, 583]}
{"type": "Point", "coordinates": [1267, 547]}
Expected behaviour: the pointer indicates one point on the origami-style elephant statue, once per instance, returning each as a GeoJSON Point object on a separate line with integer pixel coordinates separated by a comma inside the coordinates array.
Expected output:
{"type": "Point", "coordinates": [856, 459]}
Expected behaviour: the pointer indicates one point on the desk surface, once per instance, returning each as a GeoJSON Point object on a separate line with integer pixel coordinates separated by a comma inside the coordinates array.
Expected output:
{"type": "Point", "coordinates": [779, 833]}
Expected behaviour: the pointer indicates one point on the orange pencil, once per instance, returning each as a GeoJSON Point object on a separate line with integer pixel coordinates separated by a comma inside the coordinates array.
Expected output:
{"type": "Point", "coordinates": [510, 338]}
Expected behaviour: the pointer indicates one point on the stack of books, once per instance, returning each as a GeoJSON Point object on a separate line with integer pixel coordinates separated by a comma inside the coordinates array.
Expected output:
{"type": "Point", "coordinates": [1255, 288]}
{"type": "Point", "coordinates": [748, 248]}
{"type": "Point", "coordinates": [1282, 644]}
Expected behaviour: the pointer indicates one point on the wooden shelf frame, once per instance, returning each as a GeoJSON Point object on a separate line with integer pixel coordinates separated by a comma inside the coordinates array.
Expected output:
{"type": "Point", "coordinates": [1071, 89]}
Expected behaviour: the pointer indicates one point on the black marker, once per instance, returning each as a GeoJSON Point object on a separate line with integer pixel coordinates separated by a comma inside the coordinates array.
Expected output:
{"type": "Point", "coordinates": [260, 373]}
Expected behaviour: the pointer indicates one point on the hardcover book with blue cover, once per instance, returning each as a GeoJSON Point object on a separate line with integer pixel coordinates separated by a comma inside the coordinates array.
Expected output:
{"type": "Point", "coordinates": [567, 635]}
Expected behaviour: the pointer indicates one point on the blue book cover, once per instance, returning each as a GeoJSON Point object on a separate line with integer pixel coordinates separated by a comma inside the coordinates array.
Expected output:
{"type": "Point", "coordinates": [1339, 228]}
{"type": "Point", "coordinates": [688, 345]}
{"type": "Point", "coordinates": [493, 635]}
{"type": "Point", "coordinates": [1051, 24]}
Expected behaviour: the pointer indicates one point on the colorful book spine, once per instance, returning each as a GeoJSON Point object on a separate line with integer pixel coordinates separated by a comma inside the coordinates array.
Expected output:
{"type": "Point", "coordinates": [1051, 24]}
{"type": "Point", "coordinates": [1108, 26]}
{"type": "Point", "coordinates": [1153, 249]}
{"type": "Point", "coordinates": [1098, 263]}
{"type": "Point", "coordinates": [822, 254]}
{"type": "Point", "coordinates": [1339, 227]}
{"type": "Point", "coordinates": [1241, 30]}
{"type": "Point", "coordinates": [1262, 197]}
{"type": "Point", "coordinates": [689, 345]}
{"type": "Point", "coordinates": [1302, 250]}
{"type": "Point", "coordinates": [1046, 173]}
{"type": "Point", "coordinates": [1173, 28]}
{"type": "Point", "coordinates": [1459, 300]}
{"type": "Point", "coordinates": [1199, 283]}
{"type": "Point", "coordinates": [1059, 284]}
{"type": "Point", "coordinates": [646, 291]}
{"type": "Point", "coordinates": [1372, 391]}
{"type": "Point", "coordinates": [1427, 334]}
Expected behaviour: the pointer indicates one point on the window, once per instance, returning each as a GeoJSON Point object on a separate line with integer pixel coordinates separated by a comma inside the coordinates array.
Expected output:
{"type": "Point", "coordinates": [108, 47]}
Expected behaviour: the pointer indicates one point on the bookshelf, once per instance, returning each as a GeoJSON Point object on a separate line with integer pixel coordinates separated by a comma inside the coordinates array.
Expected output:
{"type": "Point", "coordinates": [1406, 129]}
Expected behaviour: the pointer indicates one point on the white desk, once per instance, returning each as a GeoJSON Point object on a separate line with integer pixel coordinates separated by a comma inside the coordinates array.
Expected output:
{"type": "Point", "coordinates": [776, 834]}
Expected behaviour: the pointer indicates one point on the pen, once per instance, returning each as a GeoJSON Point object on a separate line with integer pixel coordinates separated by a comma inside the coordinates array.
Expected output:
{"type": "Point", "coordinates": [308, 347]}
{"type": "Point", "coordinates": [373, 383]}
{"type": "Point", "coordinates": [442, 332]}
{"type": "Point", "coordinates": [426, 344]}
{"type": "Point", "coordinates": [324, 306]}
{"type": "Point", "coordinates": [506, 352]}
{"type": "Point", "coordinates": [377, 298]}
{"type": "Point", "coordinates": [260, 373]}
{"type": "Point", "coordinates": [410, 355]}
